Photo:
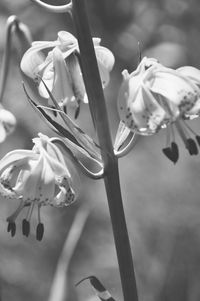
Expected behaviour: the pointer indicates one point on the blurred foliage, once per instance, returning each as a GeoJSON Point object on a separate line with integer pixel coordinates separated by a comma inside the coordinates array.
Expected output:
{"type": "Point", "coordinates": [161, 200]}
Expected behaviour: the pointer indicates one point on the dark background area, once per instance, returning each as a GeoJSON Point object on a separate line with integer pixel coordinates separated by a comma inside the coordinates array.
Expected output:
{"type": "Point", "coordinates": [161, 200]}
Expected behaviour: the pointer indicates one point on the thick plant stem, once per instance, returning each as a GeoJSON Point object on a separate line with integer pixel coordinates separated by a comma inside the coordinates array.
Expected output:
{"type": "Point", "coordinates": [112, 184]}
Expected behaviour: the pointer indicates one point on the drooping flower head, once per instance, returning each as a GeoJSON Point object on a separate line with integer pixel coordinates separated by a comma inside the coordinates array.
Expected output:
{"type": "Point", "coordinates": [60, 69]}
{"type": "Point", "coordinates": [154, 97]}
{"type": "Point", "coordinates": [7, 123]}
{"type": "Point", "coordinates": [37, 177]}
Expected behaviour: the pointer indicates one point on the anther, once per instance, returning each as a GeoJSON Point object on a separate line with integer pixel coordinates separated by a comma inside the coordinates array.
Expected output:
{"type": "Point", "coordinates": [191, 146]}
{"type": "Point", "coordinates": [25, 227]}
{"type": "Point", "coordinates": [172, 152]}
{"type": "Point", "coordinates": [175, 152]}
{"type": "Point", "coordinates": [40, 231]}
{"type": "Point", "coordinates": [11, 228]}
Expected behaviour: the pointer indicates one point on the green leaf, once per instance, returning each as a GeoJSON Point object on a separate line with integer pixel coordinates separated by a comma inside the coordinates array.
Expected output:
{"type": "Point", "coordinates": [84, 140]}
{"type": "Point", "coordinates": [90, 166]}
{"type": "Point", "coordinates": [55, 126]}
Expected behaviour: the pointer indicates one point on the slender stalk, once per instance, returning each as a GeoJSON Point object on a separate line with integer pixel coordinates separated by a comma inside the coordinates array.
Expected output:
{"type": "Point", "coordinates": [112, 184]}
{"type": "Point", "coordinates": [11, 23]}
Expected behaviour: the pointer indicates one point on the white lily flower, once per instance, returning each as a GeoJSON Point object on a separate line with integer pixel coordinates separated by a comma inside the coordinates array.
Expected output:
{"type": "Point", "coordinates": [154, 97]}
{"type": "Point", "coordinates": [37, 177]}
{"type": "Point", "coordinates": [7, 123]}
{"type": "Point", "coordinates": [60, 69]}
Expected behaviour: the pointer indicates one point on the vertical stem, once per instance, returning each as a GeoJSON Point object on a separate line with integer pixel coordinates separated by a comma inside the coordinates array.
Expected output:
{"type": "Point", "coordinates": [112, 184]}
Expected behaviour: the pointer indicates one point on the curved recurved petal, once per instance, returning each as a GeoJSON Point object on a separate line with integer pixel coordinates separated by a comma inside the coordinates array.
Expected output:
{"type": "Point", "coordinates": [66, 40]}
{"type": "Point", "coordinates": [77, 83]}
{"type": "Point", "coordinates": [52, 154]}
{"type": "Point", "coordinates": [62, 85]}
{"type": "Point", "coordinates": [17, 157]}
{"type": "Point", "coordinates": [58, 168]}
{"type": "Point", "coordinates": [179, 91]}
{"type": "Point", "coordinates": [105, 60]}
{"type": "Point", "coordinates": [105, 56]}
{"type": "Point", "coordinates": [30, 181]}
{"type": "Point", "coordinates": [46, 190]}
{"type": "Point", "coordinates": [47, 76]}
{"type": "Point", "coordinates": [33, 58]}
{"type": "Point", "coordinates": [130, 94]}
{"type": "Point", "coordinates": [30, 63]}
{"type": "Point", "coordinates": [147, 114]}
{"type": "Point", "coordinates": [191, 72]}
{"type": "Point", "coordinates": [57, 78]}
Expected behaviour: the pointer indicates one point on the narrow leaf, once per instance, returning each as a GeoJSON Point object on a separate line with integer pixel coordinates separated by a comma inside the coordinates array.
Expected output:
{"type": "Point", "coordinates": [55, 126]}
{"type": "Point", "coordinates": [85, 141]}
{"type": "Point", "coordinates": [90, 166]}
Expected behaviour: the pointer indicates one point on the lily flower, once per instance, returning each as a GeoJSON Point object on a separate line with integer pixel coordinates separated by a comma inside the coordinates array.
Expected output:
{"type": "Point", "coordinates": [155, 97]}
{"type": "Point", "coordinates": [60, 68]}
{"type": "Point", "coordinates": [37, 177]}
{"type": "Point", "coordinates": [7, 123]}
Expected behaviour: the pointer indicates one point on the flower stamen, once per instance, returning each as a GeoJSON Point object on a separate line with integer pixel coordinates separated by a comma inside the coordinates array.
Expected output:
{"type": "Point", "coordinates": [25, 227]}
{"type": "Point", "coordinates": [11, 219]}
{"type": "Point", "coordinates": [190, 143]}
{"type": "Point", "coordinates": [40, 231]}
{"type": "Point", "coordinates": [26, 221]}
{"type": "Point", "coordinates": [171, 150]}
{"type": "Point", "coordinates": [40, 226]}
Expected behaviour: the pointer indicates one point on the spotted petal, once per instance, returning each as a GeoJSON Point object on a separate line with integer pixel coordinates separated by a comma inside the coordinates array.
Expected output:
{"type": "Point", "coordinates": [180, 92]}
{"type": "Point", "coordinates": [138, 108]}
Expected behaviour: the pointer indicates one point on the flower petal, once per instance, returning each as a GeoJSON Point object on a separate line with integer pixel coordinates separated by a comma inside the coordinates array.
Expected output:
{"type": "Point", "coordinates": [138, 109]}
{"type": "Point", "coordinates": [180, 92]}
{"type": "Point", "coordinates": [62, 89]}
{"type": "Point", "coordinates": [191, 72]}
{"type": "Point", "coordinates": [47, 188]}
{"type": "Point", "coordinates": [30, 181]}
{"type": "Point", "coordinates": [66, 194]}
{"type": "Point", "coordinates": [8, 120]}
{"type": "Point", "coordinates": [105, 60]}
{"type": "Point", "coordinates": [54, 158]}
{"type": "Point", "coordinates": [66, 40]}
{"type": "Point", "coordinates": [16, 157]}
{"type": "Point", "coordinates": [34, 57]}
{"type": "Point", "coordinates": [77, 83]}
{"type": "Point", "coordinates": [48, 77]}
{"type": "Point", "coordinates": [2, 133]}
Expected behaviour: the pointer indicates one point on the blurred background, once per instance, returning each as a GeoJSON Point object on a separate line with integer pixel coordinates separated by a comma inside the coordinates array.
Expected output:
{"type": "Point", "coordinates": [161, 200]}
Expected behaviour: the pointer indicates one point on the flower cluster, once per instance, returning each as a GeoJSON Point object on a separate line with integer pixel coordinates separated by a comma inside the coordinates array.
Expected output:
{"type": "Point", "coordinates": [60, 69]}
{"type": "Point", "coordinates": [154, 97]}
{"type": "Point", "coordinates": [37, 177]}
